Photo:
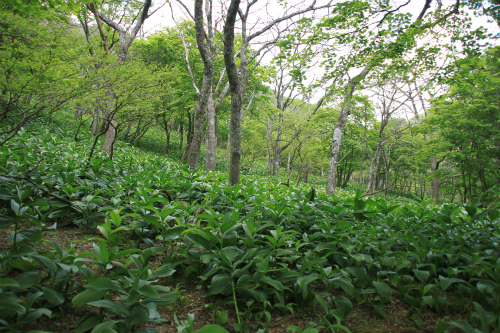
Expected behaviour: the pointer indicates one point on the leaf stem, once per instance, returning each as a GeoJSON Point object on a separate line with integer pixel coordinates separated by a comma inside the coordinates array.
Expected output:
{"type": "Point", "coordinates": [235, 303]}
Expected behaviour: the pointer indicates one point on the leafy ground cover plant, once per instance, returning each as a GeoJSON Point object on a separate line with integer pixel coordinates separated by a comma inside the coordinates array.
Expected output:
{"type": "Point", "coordinates": [259, 250]}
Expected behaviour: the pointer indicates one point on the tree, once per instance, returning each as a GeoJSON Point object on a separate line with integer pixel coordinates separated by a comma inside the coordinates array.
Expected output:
{"type": "Point", "coordinates": [126, 36]}
{"type": "Point", "coordinates": [39, 68]}
{"type": "Point", "coordinates": [467, 119]}
{"type": "Point", "coordinates": [239, 76]}
{"type": "Point", "coordinates": [350, 27]}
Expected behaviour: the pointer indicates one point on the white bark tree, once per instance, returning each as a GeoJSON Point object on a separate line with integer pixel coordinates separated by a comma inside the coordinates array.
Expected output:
{"type": "Point", "coordinates": [126, 36]}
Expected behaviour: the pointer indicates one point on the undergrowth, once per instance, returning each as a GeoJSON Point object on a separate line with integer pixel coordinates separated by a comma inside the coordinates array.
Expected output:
{"type": "Point", "coordinates": [261, 247]}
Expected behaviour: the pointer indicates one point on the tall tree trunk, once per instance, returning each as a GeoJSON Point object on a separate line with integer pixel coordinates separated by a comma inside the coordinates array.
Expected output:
{"type": "Point", "coordinates": [372, 172]}
{"type": "Point", "coordinates": [277, 147]}
{"type": "Point", "coordinates": [236, 96]}
{"type": "Point", "coordinates": [436, 184]}
{"type": "Point", "coordinates": [211, 145]}
{"type": "Point", "coordinates": [188, 139]}
{"type": "Point", "coordinates": [181, 134]}
{"type": "Point", "coordinates": [269, 137]}
{"type": "Point", "coordinates": [206, 85]}
{"type": "Point", "coordinates": [95, 120]}
{"type": "Point", "coordinates": [339, 128]}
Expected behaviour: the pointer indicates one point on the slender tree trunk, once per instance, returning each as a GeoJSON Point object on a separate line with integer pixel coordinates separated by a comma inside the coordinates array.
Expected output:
{"type": "Point", "coordinates": [95, 120]}
{"type": "Point", "coordinates": [339, 128]}
{"type": "Point", "coordinates": [269, 137]}
{"type": "Point", "coordinates": [206, 86]}
{"type": "Point", "coordinates": [211, 145]}
{"type": "Point", "coordinates": [127, 132]}
{"type": "Point", "coordinates": [188, 139]}
{"type": "Point", "coordinates": [181, 134]}
{"type": "Point", "coordinates": [236, 96]}
{"type": "Point", "coordinates": [436, 184]}
{"type": "Point", "coordinates": [277, 148]}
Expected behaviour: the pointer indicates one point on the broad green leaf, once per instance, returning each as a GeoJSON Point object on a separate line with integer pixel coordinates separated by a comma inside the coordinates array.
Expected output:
{"type": "Point", "coordinates": [4, 282]}
{"type": "Point", "coordinates": [464, 326]}
{"type": "Point", "coordinates": [106, 327]}
{"type": "Point", "coordinates": [103, 283]}
{"type": "Point", "coordinates": [53, 296]}
{"type": "Point", "coordinates": [9, 305]}
{"type": "Point", "coordinates": [274, 283]}
{"type": "Point", "coordinates": [232, 252]}
{"type": "Point", "coordinates": [88, 296]}
{"type": "Point", "coordinates": [46, 262]}
{"type": "Point", "coordinates": [148, 291]}
{"type": "Point", "coordinates": [138, 315]}
{"type": "Point", "coordinates": [423, 276]}
{"type": "Point", "coordinates": [383, 290]}
{"type": "Point", "coordinates": [165, 299]}
{"type": "Point", "coordinates": [102, 251]}
{"type": "Point", "coordinates": [212, 329]}
{"type": "Point", "coordinates": [344, 304]}
{"type": "Point", "coordinates": [28, 279]}
{"type": "Point", "coordinates": [88, 322]}
{"type": "Point", "coordinates": [34, 315]}
{"type": "Point", "coordinates": [115, 307]}
{"type": "Point", "coordinates": [163, 271]}
{"type": "Point", "coordinates": [221, 284]}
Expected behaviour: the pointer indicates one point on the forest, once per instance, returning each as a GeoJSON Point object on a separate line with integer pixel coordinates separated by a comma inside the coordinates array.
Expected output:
{"type": "Point", "coordinates": [249, 166]}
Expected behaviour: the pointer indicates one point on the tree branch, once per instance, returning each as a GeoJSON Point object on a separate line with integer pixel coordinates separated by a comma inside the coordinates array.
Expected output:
{"type": "Point", "coordinates": [367, 194]}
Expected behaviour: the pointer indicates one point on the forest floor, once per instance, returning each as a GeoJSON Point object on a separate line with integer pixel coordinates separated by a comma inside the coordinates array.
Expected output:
{"type": "Point", "coordinates": [194, 299]}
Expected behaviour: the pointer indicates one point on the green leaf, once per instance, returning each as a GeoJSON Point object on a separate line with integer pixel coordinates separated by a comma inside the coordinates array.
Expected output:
{"type": "Point", "coordinates": [103, 283]}
{"type": "Point", "coordinates": [148, 291]}
{"type": "Point", "coordinates": [33, 235]}
{"type": "Point", "coordinates": [6, 221]}
{"type": "Point", "coordinates": [423, 276]}
{"type": "Point", "coordinates": [138, 315]}
{"type": "Point", "coordinates": [53, 296]}
{"type": "Point", "coordinates": [4, 282]}
{"type": "Point", "coordinates": [34, 315]}
{"type": "Point", "coordinates": [274, 283]}
{"type": "Point", "coordinates": [46, 262]}
{"type": "Point", "coordinates": [88, 322]}
{"type": "Point", "coordinates": [359, 204]}
{"type": "Point", "coordinates": [212, 329]}
{"type": "Point", "coordinates": [221, 284]}
{"type": "Point", "coordinates": [163, 271]}
{"type": "Point", "coordinates": [232, 252]}
{"type": "Point", "coordinates": [383, 290]}
{"type": "Point", "coordinates": [345, 284]}
{"type": "Point", "coordinates": [9, 305]}
{"type": "Point", "coordinates": [165, 299]}
{"type": "Point", "coordinates": [28, 279]}
{"type": "Point", "coordinates": [106, 327]}
{"type": "Point", "coordinates": [379, 311]}
{"type": "Point", "coordinates": [344, 304]}
{"type": "Point", "coordinates": [114, 307]}
{"type": "Point", "coordinates": [482, 316]}
{"type": "Point", "coordinates": [463, 325]}
{"type": "Point", "coordinates": [101, 251]}
{"type": "Point", "coordinates": [88, 296]}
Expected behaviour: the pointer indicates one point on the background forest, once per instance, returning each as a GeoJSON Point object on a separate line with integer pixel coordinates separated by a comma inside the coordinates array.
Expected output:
{"type": "Point", "coordinates": [409, 95]}
{"type": "Point", "coordinates": [249, 158]}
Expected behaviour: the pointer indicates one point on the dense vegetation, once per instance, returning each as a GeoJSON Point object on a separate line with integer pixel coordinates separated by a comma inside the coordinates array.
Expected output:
{"type": "Point", "coordinates": [262, 248]}
{"type": "Point", "coordinates": [356, 174]}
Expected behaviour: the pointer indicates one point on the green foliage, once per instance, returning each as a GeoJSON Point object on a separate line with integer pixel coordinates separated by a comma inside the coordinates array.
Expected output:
{"type": "Point", "coordinates": [39, 70]}
{"type": "Point", "coordinates": [465, 122]}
